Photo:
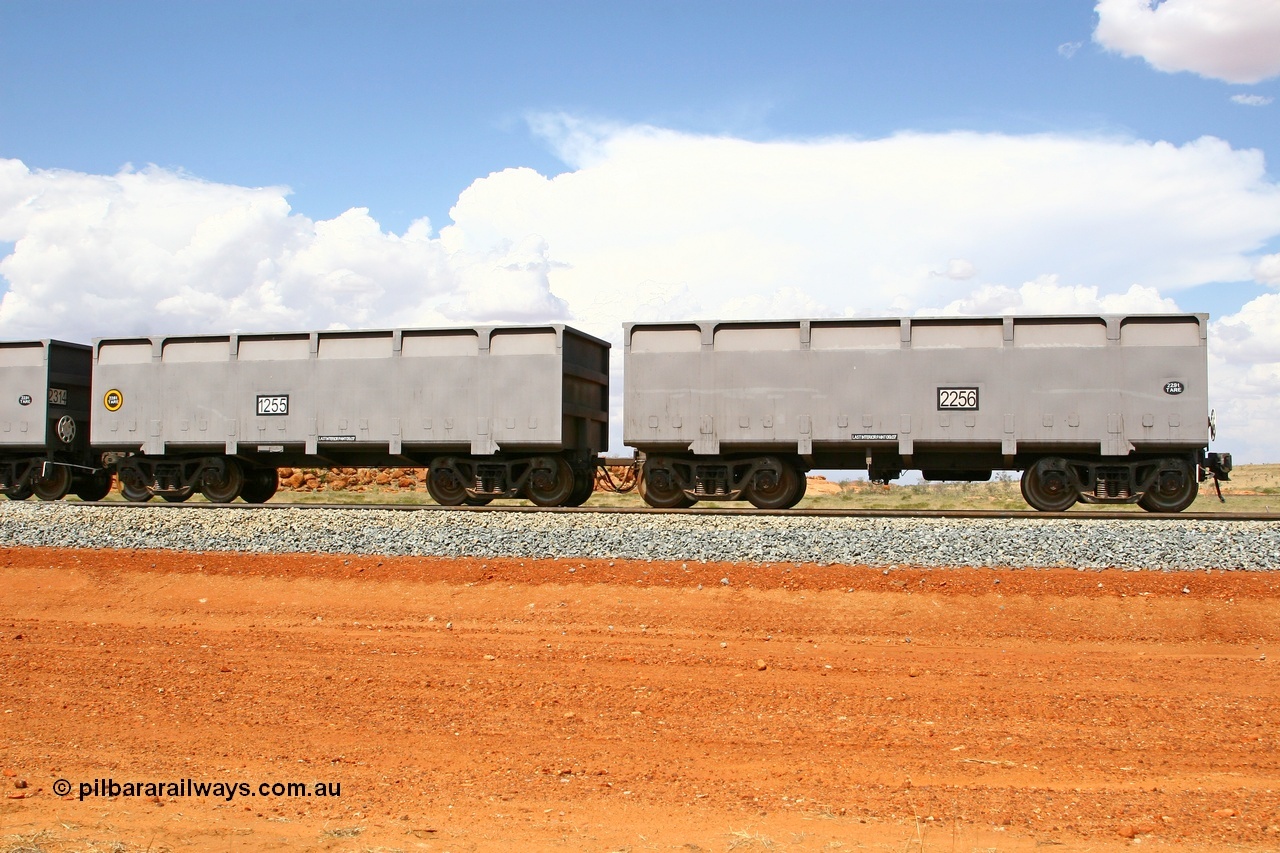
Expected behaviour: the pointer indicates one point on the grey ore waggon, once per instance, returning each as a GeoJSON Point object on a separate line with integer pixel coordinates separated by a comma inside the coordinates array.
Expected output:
{"type": "Point", "coordinates": [493, 412]}
{"type": "Point", "coordinates": [1099, 409]}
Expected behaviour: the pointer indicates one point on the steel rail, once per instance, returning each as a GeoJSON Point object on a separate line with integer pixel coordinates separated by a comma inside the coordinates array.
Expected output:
{"type": "Point", "coordinates": [1027, 514]}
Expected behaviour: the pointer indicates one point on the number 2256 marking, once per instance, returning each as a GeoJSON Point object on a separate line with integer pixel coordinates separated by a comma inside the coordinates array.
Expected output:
{"type": "Point", "coordinates": [964, 399]}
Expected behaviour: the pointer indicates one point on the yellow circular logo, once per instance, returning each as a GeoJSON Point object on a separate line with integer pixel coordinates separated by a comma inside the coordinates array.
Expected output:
{"type": "Point", "coordinates": [113, 400]}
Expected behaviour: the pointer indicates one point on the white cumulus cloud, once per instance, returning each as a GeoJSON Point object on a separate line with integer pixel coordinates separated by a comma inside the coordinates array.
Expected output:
{"type": "Point", "coordinates": [1244, 373]}
{"type": "Point", "coordinates": [1267, 270]}
{"type": "Point", "coordinates": [959, 269]}
{"type": "Point", "coordinates": [1252, 335]}
{"type": "Point", "coordinates": [1046, 295]}
{"type": "Point", "coordinates": [160, 251]}
{"type": "Point", "coordinates": [1231, 40]}
{"type": "Point", "coordinates": [1251, 100]}
{"type": "Point", "coordinates": [647, 216]}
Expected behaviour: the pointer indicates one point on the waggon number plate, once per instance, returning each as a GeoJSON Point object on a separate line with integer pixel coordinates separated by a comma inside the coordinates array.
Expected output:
{"type": "Point", "coordinates": [273, 404]}
{"type": "Point", "coordinates": [962, 399]}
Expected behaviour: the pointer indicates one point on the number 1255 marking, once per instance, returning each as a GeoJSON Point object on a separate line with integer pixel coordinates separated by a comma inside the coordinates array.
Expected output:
{"type": "Point", "coordinates": [273, 404]}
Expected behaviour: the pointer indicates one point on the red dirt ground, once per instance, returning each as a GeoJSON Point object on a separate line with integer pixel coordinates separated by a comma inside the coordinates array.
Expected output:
{"type": "Point", "coordinates": [610, 705]}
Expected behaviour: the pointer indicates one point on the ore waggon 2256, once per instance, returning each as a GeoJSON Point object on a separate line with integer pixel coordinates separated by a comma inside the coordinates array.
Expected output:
{"type": "Point", "coordinates": [1109, 409]}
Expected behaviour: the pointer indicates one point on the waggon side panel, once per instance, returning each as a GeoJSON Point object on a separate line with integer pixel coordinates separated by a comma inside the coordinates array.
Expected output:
{"type": "Point", "coordinates": [662, 384]}
{"type": "Point", "coordinates": [1159, 353]}
{"type": "Point", "coordinates": [273, 395]}
{"type": "Point", "coordinates": [524, 383]}
{"type": "Point", "coordinates": [1092, 383]}
{"type": "Point", "coordinates": [126, 392]}
{"type": "Point", "coordinates": [196, 406]}
{"type": "Point", "coordinates": [356, 393]}
{"type": "Point", "coordinates": [441, 383]}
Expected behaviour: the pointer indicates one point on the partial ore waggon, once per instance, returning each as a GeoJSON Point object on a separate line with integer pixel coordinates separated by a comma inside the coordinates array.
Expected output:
{"type": "Point", "coordinates": [1100, 409]}
{"type": "Point", "coordinates": [44, 422]}
{"type": "Point", "coordinates": [492, 412]}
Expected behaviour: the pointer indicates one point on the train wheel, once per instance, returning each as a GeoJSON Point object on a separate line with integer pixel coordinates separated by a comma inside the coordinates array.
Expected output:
{"type": "Point", "coordinates": [470, 501]}
{"type": "Point", "coordinates": [769, 491]}
{"type": "Point", "coordinates": [803, 487]}
{"type": "Point", "coordinates": [260, 485]}
{"type": "Point", "coordinates": [132, 488]}
{"type": "Point", "coordinates": [178, 497]}
{"type": "Point", "coordinates": [584, 486]}
{"type": "Point", "coordinates": [1174, 489]}
{"type": "Point", "coordinates": [19, 494]}
{"type": "Point", "coordinates": [551, 487]}
{"type": "Point", "coordinates": [53, 487]}
{"type": "Point", "coordinates": [94, 487]}
{"type": "Point", "coordinates": [660, 491]}
{"type": "Point", "coordinates": [445, 488]}
{"type": "Point", "coordinates": [1047, 486]}
{"type": "Point", "coordinates": [225, 487]}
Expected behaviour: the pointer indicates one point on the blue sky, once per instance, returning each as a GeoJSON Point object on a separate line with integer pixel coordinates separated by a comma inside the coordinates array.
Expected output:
{"type": "Point", "coordinates": [400, 106]}
{"type": "Point", "coordinates": [192, 166]}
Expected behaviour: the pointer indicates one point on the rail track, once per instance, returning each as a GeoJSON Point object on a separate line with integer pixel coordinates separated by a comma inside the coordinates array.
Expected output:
{"type": "Point", "coordinates": [990, 514]}
{"type": "Point", "coordinates": [853, 536]}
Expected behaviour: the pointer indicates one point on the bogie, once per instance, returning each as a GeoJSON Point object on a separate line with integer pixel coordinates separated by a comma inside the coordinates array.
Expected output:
{"type": "Point", "coordinates": [1054, 484]}
{"type": "Point", "coordinates": [476, 481]}
{"type": "Point", "coordinates": [767, 482]}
